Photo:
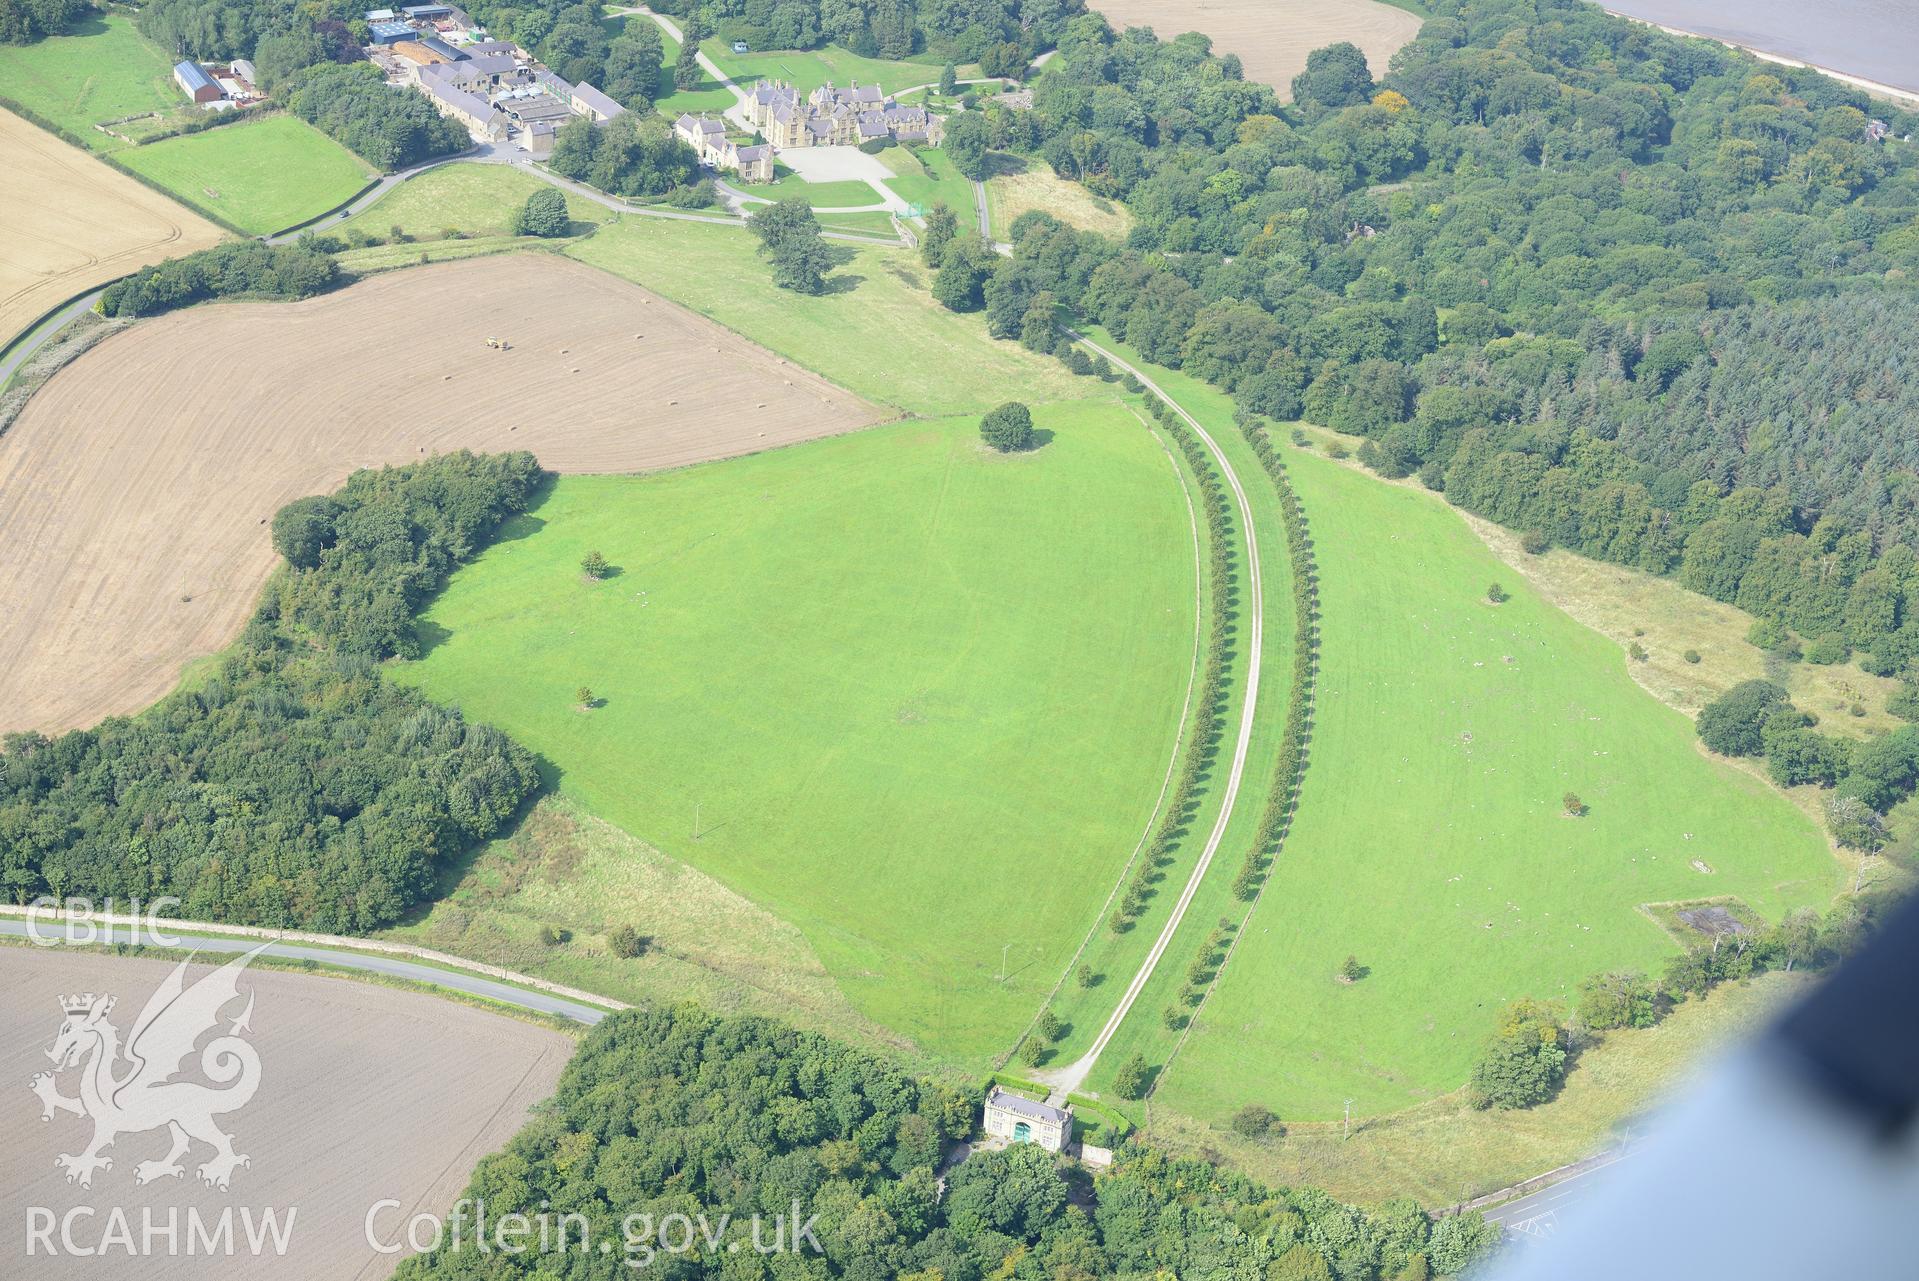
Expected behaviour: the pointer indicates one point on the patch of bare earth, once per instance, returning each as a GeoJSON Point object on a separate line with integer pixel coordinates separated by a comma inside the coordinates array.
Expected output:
{"type": "Point", "coordinates": [1273, 37]}
{"type": "Point", "coordinates": [70, 222]}
{"type": "Point", "coordinates": [366, 1094]}
{"type": "Point", "coordinates": [136, 488]}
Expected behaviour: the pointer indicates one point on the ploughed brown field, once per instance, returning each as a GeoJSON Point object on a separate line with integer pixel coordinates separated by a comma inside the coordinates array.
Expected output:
{"type": "Point", "coordinates": [365, 1095]}
{"type": "Point", "coordinates": [137, 487]}
{"type": "Point", "coordinates": [1273, 37]}
{"type": "Point", "coordinates": [70, 222]}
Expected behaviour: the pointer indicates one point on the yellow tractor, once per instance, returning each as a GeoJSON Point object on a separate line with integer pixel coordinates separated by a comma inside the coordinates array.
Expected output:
{"type": "Point", "coordinates": [499, 344]}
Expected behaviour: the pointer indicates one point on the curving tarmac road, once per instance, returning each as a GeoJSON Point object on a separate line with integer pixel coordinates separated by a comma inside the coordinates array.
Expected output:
{"type": "Point", "coordinates": [470, 984]}
{"type": "Point", "coordinates": [1069, 1078]}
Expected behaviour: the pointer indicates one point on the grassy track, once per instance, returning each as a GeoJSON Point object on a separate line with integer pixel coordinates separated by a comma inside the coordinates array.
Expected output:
{"type": "Point", "coordinates": [877, 332]}
{"type": "Point", "coordinates": [925, 176]}
{"type": "Point", "coordinates": [918, 698]}
{"type": "Point", "coordinates": [479, 200]}
{"type": "Point", "coordinates": [262, 176]}
{"type": "Point", "coordinates": [102, 71]}
{"type": "Point", "coordinates": [1430, 840]}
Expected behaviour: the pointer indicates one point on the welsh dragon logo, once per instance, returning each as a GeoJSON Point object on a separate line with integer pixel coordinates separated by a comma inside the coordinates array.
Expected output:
{"type": "Point", "coordinates": [131, 1089]}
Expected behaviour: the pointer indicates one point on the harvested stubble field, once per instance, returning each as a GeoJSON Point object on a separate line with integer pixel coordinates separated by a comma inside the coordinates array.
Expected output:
{"type": "Point", "coordinates": [1273, 37]}
{"type": "Point", "coordinates": [366, 1094]}
{"type": "Point", "coordinates": [136, 488]}
{"type": "Point", "coordinates": [86, 224]}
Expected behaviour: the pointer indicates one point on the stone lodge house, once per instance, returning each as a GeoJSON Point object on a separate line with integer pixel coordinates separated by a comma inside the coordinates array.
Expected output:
{"type": "Point", "coordinates": [707, 137]}
{"type": "Point", "coordinates": [1015, 1118]}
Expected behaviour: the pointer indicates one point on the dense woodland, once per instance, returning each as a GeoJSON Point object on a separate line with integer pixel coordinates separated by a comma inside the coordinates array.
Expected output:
{"type": "Point", "coordinates": [292, 786]}
{"type": "Point", "coordinates": [1013, 31]}
{"type": "Point", "coordinates": [24, 21]}
{"type": "Point", "coordinates": [1621, 291]}
{"type": "Point", "coordinates": [236, 269]}
{"type": "Point", "coordinates": [629, 156]}
{"type": "Point", "coordinates": [388, 127]}
{"type": "Point", "coordinates": [667, 1112]}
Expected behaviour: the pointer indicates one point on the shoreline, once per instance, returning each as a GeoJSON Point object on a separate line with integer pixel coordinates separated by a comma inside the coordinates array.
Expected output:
{"type": "Point", "coordinates": [1903, 97]}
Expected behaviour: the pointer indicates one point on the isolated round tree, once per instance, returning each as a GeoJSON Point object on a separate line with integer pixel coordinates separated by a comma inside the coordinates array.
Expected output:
{"type": "Point", "coordinates": [1008, 428]}
{"type": "Point", "coordinates": [544, 214]}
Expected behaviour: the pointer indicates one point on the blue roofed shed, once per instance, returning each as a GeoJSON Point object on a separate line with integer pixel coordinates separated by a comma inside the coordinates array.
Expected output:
{"type": "Point", "coordinates": [196, 83]}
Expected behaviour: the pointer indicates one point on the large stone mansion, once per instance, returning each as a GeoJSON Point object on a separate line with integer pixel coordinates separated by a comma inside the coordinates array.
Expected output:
{"type": "Point", "coordinates": [827, 117]}
{"type": "Point", "coordinates": [835, 117]}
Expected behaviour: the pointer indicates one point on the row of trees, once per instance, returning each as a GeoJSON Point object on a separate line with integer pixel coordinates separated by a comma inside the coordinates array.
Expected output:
{"type": "Point", "coordinates": [1209, 696]}
{"type": "Point", "coordinates": [666, 1112]}
{"type": "Point", "coordinates": [295, 786]}
{"type": "Point", "coordinates": [239, 269]}
{"type": "Point", "coordinates": [1289, 771]}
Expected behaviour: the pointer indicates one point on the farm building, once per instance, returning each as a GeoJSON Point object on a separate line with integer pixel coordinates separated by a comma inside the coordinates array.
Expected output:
{"type": "Point", "coordinates": [196, 83]}
{"type": "Point", "coordinates": [423, 52]}
{"type": "Point", "coordinates": [245, 71]}
{"type": "Point", "coordinates": [475, 75]}
{"type": "Point", "coordinates": [1018, 1119]}
{"type": "Point", "coordinates": [471, 110]}
{"type": "Point", "coordinates": [594, 105]}
{"type": "Point", "coordinates": [380, 15]}
{"type": "Point", "coordinates": [426, 12]}
{"type": "Point", "coordinates": [390, 33]}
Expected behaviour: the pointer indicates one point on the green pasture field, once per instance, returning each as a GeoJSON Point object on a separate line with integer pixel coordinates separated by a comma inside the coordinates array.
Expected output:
{"type": "Point", "coordinates": [562, 870]}
{"type": "Point", "coordinates": [872, 222]}
{"type": "Point", "coordinates": [925, 176]}
{"type": "Point", "coordinates": [709, 95]}
{"type": "Point", "coordinates": [877, 331]}
{"type": "Point", "coordinates": [262, 176]}
{"type": "Point", "coordinates": [1448, 1151]}
{"type": "Point", "coordinates": [821, 195]}
{"type": "Point", "coordinates": [477, 199]}
{"type": "Point", "coordinates": [808, 69]}
{"type": "Point", "coordinates": [911, 696]}
{"type": "Point", "coordinates": [102, 70]}
{"type": "Point", "coordinates": [1431, 840]}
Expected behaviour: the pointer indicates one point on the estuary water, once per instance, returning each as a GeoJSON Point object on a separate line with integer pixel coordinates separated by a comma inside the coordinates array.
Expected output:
{"type": "Point", "coordinates": [1875, 40]}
